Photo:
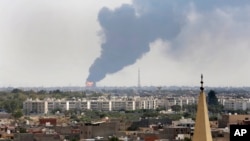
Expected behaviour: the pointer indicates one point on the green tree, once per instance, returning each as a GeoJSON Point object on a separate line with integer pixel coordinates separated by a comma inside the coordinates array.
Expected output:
{"type": "Point", "coordinates": [133, 128]}
{"type": "Point", "coordinates": [10, 105]}
{"type": "Point", "coordinates": [42, 92]}
{"type": "Point", "coordinates": [74, 139]}
{"type": "Point", "coordinates": [186, 114]}
{"type": "Point", "coordinates": [113, 139]}
{"type": "Point", "coordinates": [212, 98]}
{"type": "Point", "coordinates": [22, 130]}
{"type": "Point", "coordinates": [17, 114]}
{"type": "Point", "coordinates": [149, 113]}
{"type": "Point", "coordinates": [190, 108]}
{"type": "Point", "coordinates": [54, 111]}
{"type": "Point", "coordinates": [187, 139]}
{"type": "Point", "coordinates": [176, 108]}
{"type": "Point", "coordinates": [213, 105]}
{"type": "Point", "coordinates": [215, 108]}
{"type": "Point", "coordinates": [16, 91]}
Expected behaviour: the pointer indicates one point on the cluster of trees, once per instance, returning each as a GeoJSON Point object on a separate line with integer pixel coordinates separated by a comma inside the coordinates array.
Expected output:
{"type": "Point", "coordinates": [190, 110]}
{"type": "Point", "coordinates": [93, 115]}
{"type": "Point", "coordinates": [12, 102]}
{"type": "Point", "coordinates": [213, 105]}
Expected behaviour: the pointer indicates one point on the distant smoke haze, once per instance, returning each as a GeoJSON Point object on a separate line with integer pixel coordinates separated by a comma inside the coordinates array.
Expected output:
{"type": "Point", "coordinates": [128, 30]}
{"type": "Point", "coordinates": [127, 36]}
{"type": "Point", "coordinates": [55, 43]}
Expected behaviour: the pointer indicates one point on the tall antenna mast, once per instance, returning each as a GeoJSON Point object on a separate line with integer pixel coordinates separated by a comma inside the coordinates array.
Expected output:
{"type": "Point", "coordinates": [139, 80]}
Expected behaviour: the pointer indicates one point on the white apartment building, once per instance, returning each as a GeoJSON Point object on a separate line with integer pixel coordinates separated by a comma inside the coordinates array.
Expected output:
{"type": "Point", "coordinates": [106, 106]}
{"type": "Point", "coordinates": [130, 105]}
{"type": "Point", "coordinates": [180, 101]}
{"type": "Point", "coordinates": [248, 104]}
{"type": "Point", "coordinates": [115, 104]}
{"type": "Point", "coordinates": [235, 104]}
{"type": "Point", "coordinates": [95, 105]}
{"type": "Point", "coordinates": [100, 105]}
{"type": "Point", "coordinates": [118, 105]}
{"type": "Point", "coordinates": [149, 103]}
{"type": "Point", "coordinates": [72, 105]}
{"type": "Point", "coordinates": [170, 102]}
{"type": "Point", "coordinates": [35, 106]}
{"type": "Point", "coordinates": [85, 105]}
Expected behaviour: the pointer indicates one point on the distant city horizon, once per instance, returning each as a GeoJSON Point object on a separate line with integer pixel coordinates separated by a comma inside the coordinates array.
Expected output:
{"type": "Point", "coordinates": [152, 87]}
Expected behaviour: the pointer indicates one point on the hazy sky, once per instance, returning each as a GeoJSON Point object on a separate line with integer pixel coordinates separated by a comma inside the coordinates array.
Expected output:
{"type": "Point", "coordinates": [55, 42]}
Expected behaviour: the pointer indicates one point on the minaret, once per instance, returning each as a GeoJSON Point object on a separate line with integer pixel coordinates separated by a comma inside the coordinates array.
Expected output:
{"type": "Point", "coordinates": [202, 131]}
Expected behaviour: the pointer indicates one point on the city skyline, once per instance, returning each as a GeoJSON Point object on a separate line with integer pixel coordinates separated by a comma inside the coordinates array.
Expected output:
{"type": "Point", "coordinates": [55, 43]}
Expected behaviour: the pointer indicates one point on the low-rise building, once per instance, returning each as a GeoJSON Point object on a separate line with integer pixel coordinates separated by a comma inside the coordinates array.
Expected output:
{"type": "Point", "coordinates": [228, 119]}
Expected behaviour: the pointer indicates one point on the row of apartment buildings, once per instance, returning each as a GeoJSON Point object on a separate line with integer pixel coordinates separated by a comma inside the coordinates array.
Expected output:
{"type": "Point", "coordinates": [235, 103]}
{"type": "Point", "coordinates": [103, 104]}
{"type": "Point", "coordinates": [123, 103]}
{"type": "Point", "coordinates": [229, 103]}
{"type": "Point", "coordinates": [47, 105]}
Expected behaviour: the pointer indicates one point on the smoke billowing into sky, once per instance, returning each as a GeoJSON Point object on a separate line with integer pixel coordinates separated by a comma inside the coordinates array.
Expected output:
{"type": "Point", "coordinates": [127, 35]}
{"type": "Point", "coordinates": [128, 30]}
{"type": "Point", "coordinates": [63, 43]}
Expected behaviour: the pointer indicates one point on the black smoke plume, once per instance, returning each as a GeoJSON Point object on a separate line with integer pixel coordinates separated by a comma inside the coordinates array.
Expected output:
{"type": "Point", "coordinates": [129, 29]}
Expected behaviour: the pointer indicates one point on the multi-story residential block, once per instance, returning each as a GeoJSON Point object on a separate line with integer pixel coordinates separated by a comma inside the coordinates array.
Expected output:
{"type": "Point", "coordinates": [235, 104]}
{"type": "Point", "coordinates": [85, 105]}
{"type": "Point", "coordinates": [170, 102]}
{"type": "Point", "coordinates": [63, 105]}
{"type": "Point", "coordinates": [95, 105]}
{"type": "Point", "coordinates": [106, 106]}
{"type": "Point", "coordinates": [248, 105]}
{"type": "Point", "coordinates": [118, 105]}
{"type": "Point", "coordinates": [101, 104]}
{"type": "Point", "coordinates": [130, 105]}
{"type": "Point", "coordinates": [35, 106]}
{"type": "Point", "coordinates": [72, 105]}
{"type": "Point", "coordinates": [180, 101]}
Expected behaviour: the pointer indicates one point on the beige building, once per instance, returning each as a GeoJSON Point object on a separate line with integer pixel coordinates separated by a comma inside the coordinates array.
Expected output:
{"type": "Point", "coordinates": [226, 120]}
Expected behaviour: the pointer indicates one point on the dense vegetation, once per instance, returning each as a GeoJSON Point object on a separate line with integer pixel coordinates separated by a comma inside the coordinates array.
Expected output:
{"type": "Point", "coordinates": [12, 102]}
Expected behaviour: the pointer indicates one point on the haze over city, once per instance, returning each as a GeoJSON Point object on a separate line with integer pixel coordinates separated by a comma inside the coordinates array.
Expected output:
{"type": "Point", "coordinates": [65, 43]}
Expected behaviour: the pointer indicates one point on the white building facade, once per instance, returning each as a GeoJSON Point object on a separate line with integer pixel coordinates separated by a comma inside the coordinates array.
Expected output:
{"type": "Point", "coordinates": [48, 105]}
